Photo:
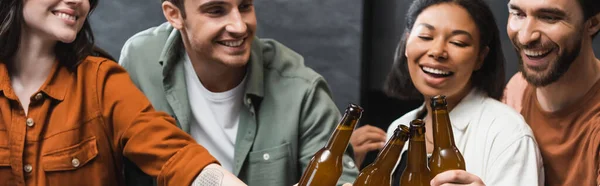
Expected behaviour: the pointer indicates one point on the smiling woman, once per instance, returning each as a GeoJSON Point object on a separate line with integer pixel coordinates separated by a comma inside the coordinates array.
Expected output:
{"type": "Point", "coordinates": [70, 118]}
{"type": "Point", "coordinates": [452, 48]}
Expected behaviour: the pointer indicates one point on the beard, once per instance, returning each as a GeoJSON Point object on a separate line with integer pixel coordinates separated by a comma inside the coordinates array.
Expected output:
{"type": "Point", "coordinates": [556, 69]}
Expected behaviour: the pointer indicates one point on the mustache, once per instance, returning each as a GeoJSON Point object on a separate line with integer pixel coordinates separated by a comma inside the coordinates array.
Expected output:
{"type": "Point", "coordinates": [532, 45]}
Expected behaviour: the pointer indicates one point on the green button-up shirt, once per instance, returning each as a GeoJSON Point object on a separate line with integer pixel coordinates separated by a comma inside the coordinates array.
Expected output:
{"type": "Point", "coordinates": [288, 112]}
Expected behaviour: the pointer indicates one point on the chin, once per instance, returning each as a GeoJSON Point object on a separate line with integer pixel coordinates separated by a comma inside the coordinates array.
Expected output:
{"type": "Point", "coordinates": [66, 38]}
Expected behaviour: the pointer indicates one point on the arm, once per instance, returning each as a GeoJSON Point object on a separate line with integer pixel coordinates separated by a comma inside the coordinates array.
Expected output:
{"type": "Point", "coordinates": [319, 118]}
{"type": "Point", "coordinates": [148, 138]}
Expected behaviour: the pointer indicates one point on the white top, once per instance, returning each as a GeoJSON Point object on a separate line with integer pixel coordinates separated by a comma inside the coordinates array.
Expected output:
{"type": "Point", "coordinates": [496, 143]}
{"type": "Point", "coordinates": [215, 116]}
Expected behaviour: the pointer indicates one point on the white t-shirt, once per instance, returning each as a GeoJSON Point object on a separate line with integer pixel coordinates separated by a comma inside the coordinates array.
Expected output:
{"type": "Point", "coordinates": [496, 143]}
{"type": "Point", "coordinates": [216, 116]}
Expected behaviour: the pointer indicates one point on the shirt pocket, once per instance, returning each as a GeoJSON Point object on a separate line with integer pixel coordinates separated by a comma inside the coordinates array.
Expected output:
{"type": "Point", "coordinates": [270, 166]}
{"type": "Point", "coordinates": [65, 166]}
{"type": "Point", "coordinates": [5, 170]}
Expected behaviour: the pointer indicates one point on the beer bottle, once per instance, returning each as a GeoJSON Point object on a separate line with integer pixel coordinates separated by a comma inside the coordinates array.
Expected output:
{"type": "Point", "coordinates": [379, 172]}
{"type": "Point", "coordinates": [416, 172]}
{"type": "Point", "coordinates": [445, 155]}
{"type": "Point", "coordinates": [325, 167]}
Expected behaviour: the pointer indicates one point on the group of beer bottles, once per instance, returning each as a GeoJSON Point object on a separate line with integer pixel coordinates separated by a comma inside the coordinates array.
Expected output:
{"type": "Point", "coordinates": [325, 167]}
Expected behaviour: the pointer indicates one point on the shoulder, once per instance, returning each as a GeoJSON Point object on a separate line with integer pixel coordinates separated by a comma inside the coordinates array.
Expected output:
{"type": "Point", "coordinates": [503, 122]}
{"type": "Point", "coordinates": [281, 62]}
{"type": "Point", "coordinates": [98, 66]}
{"type": "Point", "coordinates": [146, 44]}
{"type": "Point", "coordinates": [513, 92]}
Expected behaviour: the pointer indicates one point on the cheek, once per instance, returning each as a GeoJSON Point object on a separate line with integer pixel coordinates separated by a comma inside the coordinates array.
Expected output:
{"type": "Point", "coordinates": [513, 25]}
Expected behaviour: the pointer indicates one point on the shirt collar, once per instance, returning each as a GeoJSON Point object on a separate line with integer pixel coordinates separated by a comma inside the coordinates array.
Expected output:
{"type": "Point", "coordinates": [463, 113]}
{"type": "Point", "coordinates": [56, 84]}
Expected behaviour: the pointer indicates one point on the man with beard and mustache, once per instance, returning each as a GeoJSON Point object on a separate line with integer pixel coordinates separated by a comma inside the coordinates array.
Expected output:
{"type": "Point", "coordinates": [251, 102]}
{"type": "Point", "coordinates": [557, 89]}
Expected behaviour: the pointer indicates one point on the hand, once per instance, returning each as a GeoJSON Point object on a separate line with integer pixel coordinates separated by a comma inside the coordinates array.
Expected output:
{"type": "Point", "coordinates": [216, 175]}
{"type": "Point", "coordinates": [456, 177]}
{"type": "Point", "coordinates": [364, 139]}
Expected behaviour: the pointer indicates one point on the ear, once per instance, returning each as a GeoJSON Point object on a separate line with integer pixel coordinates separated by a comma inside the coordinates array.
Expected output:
{"type": "Point", "coordinates": [593, 24]}
{"type": "Point", "coordinates": [481, 58]}
{"type": "Point", "coordinates": [173, 14]}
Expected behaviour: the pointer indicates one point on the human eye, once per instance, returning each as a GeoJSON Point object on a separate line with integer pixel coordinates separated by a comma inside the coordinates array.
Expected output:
{"type": "Point", "coordinates": [215, 10]}
{"type": "Point", "coordinates": [517, 14]}
{"type": "Point", "coordinates": [549, 18]}
{"type": "Point", "coordinates": [425, 37]}
{"type": "Point", "coordinates": [459, 44]}
{"type": "Point", "coordinates": [246, 6]}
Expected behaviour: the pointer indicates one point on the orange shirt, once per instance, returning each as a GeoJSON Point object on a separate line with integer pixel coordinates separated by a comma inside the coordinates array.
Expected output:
{"type": "Point", "coordinates": [81, 124]}
{"type": "Point", "coordinates": [569, 139]}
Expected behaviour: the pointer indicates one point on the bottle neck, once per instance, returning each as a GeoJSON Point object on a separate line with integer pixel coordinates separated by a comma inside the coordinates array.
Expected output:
{"type": "Point", "coordinates": [417, 154]}
{"type": "Point", "coordinates": [338, 142]}
{"type": "Point", "coordinates": [387, 158]}
{"type": "Point", "coordinates": [442, 129]}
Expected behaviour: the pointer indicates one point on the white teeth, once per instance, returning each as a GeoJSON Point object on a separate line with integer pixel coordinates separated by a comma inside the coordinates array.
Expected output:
{"type": "Point", "coordinates": [233, 43]}
{"type": "Point", "coordinates": [536, 53]}
{"type": "Point", "coordinates": [65, 16]}
{"type": "Point", "coordinates": [435, 71]}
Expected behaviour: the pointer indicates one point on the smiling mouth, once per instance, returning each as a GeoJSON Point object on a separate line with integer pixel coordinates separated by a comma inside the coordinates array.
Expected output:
{"type": "Point", "coordinates": [65, 16]}
{"type": "Point", "coordinates": [437, 73]}
{"type": "Point", "coordinates": [235, 43]}
{"type": "Point", "coordinates": [537, 53]}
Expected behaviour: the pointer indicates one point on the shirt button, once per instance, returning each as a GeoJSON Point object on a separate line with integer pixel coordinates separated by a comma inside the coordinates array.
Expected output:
{"type": "Point", "coordinates": [38, 96]}
{"type": "Point", "coordinates": [75, 162]}
{"type": "Point", "coordinates": [29, 122]}
{"type": "Point", "coordinates": [351, 164]}
{"type": "Point", "coordinates": [28, 168]}
{"type": "Point", "coordinates": [266, 156]}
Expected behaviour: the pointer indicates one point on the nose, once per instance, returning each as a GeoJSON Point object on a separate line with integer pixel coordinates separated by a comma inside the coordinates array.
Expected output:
{"type": "Point", "coordinates": [438, 50]}
{"type": "Point", "coordinates": [235, 23]}
{"type": "Point", "coordinates": [528, 32]}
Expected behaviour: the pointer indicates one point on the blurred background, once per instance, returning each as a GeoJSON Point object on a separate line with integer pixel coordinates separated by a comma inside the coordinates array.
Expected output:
{"type": "Point", "coordinates": [350, 42]}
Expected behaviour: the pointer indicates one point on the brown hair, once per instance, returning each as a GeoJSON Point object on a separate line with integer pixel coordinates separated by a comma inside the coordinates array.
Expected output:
{"type": "Point", "coordinates": [68, 54]}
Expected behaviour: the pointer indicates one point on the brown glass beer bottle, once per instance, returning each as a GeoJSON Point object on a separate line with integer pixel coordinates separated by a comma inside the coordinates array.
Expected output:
{"type": "Point", "coordinates": [379, 172]}
{"type": "Point", "coordinates": [445, 155]}
{"type": "Point", "coordinates": [416, 172]}
{"type": "Point", "coordinates": [325, 168]}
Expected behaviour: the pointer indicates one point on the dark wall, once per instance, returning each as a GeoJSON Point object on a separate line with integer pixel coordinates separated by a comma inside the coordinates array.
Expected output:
{"type": "Point", "coordinates": [326, 33]}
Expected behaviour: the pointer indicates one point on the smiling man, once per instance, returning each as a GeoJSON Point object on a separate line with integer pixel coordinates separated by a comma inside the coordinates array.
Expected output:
{"type": "Point", "coordinates": [557, 89]}
{"type": "Point", "coordinates": [251, 102]}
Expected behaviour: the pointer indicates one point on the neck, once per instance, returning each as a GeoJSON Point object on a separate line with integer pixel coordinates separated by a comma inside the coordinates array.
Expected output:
{"type": "Point", "coordinates": [585, 70]}
{"type": "Point", "coordinates": [34, 58]}
{"type": "Point", "coordinates": [451, 101]}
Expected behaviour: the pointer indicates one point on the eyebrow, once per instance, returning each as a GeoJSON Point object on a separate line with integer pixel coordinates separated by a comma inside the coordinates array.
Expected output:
{"type": "Point", "coordinates": [212, 3]}
{"type": "Point", "coordinates": [455, 32]}
{"type": "Point", "coordinates": [555, 11]}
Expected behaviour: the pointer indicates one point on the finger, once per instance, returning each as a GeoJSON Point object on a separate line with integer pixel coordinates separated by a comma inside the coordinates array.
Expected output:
{"type": "Point", "coordinates": [455, 177]}
{"type": "Point", "coordinates": [371, 146]}
{"type": "Point", "coordinates": [347, 184]}
{"type": "Point", "coordinates": [375, 129]}
{"type": "Point", "coordinates": [370, 137]}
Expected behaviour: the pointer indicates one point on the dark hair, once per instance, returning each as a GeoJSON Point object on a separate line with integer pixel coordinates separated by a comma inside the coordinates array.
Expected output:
{"type": "Point", "coordinates": [179, 4]}
{"type": "Point", "coordinates": [590, 8]}
{"type": "Point", "coordinates": [68, 54]}
{"type": "Point", "coordinates": [489, 78]}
